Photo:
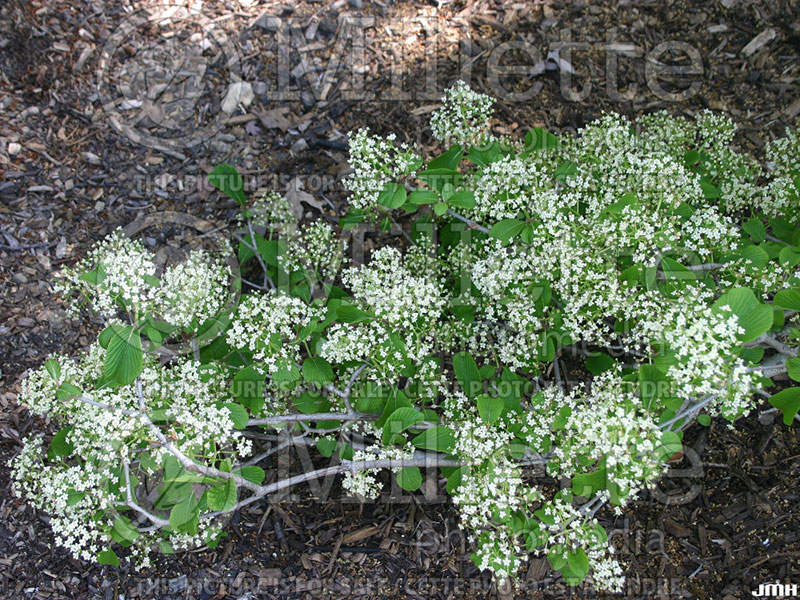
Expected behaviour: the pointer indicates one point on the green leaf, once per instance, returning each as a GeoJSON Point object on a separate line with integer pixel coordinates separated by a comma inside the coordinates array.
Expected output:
{"type": "Point", "coordinates": [793, 367]}
{"type": "Point", "coordinates": [165, 548]}
{"type": "Point", "coordinates": [153, 334]}
{"type": "Point", "coordinates": [326, 446]}
{"type": "Point", "coordinates": [467, 373]}
{"type": "Point", "coordinates": [347, 313]}
{"type": "Point", "coordinates": [123, 361]}
{"type": "Point", "coordinates": [487, 371]}
{"type": "Point", "coordinates": [317, 370]}
{"type": "Point", "coordinates": [485, 155]}
{"type": "Point", "coordinates": [59, 446]}
{"type": "Point", "coordinates": [538, 138]}
{"type": "Point", "coordinates": [227, 180]}
{"type": "Point", "coordinates": [704, 420]}
{"type": "Point", "coordinates": [788, 402]}
{"type": "Point", "coordinates": [447, 191]}
{"type": "Point", "coordinates": [599, 362]}
{"type": "Point", "coordinates": [453, 480]}
{"type": "Point", "coordinates": [755, 318]}
{"type": "Point", "coordinates": [423, 197]}
{"type": "Point", "coordinates": [448, 160]}
{"type": "Point", "coordinates": [462, 199]}
{"type": "Point", "coordinates": [439, 439]}
{"type": "Point", "coordinates": [556, 557]}
{"type": "Point", "coordinates": [787, 299]}
{"type": "Point", "coordinates": [74, 497]}
{"type": "Point", "coordinates": [252, 473]}
{"type": "Point", "coordinates": [756, 257]}
{"type": "Point", "coordinates": [527, 234]}
{"type": "Point", "coordinates": [782, 229]}
{"type": "Point", "coordinates": [396, 399]}
{"type": "Point", "coordinates": [578, 564]}
{"type": "Point", "coordinates": [670, 445]}
{"type": "Point", "coordinates": [393, 195]}
{"type": "Point", "coordinates": [105, 336]}
{"type": "Point", "coordinates": [710, 191]}
{"type": "Point", "coordinates": [248, 388]}
{"type": "Point", "coordinates": [440, 208]}
{"type": "Point", "coordinates": [507, 229]}
{"type": "Point", "coordinates": [511, 389]}
{"type": "Point", "coordinates": [409, 478]}
{"type": "Point", "coordinates": [675, 270]}
{"type": "Point", "coordinates": [309, 402]}
{"type": "Point", "coordinates": [353, 217]}
{"type": "Point", "coordinates": [67, 390]}
{"type": "Point", "coordinates": [222, 497]}
{"type": "Point", "coordinates": [400, 420]}
{"type": "Point", "coordinates": [287, 373]}
{"type": "Point", "coordinates": [755, 229]}
{"type": "Point", "coordinates": [691, 158]}
{"type": "Point", "coordinates": [108, 557]}
{"type": "Point", "coordinates": [53, 369]}
{"type": "Point", "coordinates": [239, 415]}
{"type": "Point", "coordinates": [564, 170]}
{"type": "Point", "coordinates": [124, 529]}
{"type": "Point", "coordinates": [586, 484]}
{"type": "Point", "coordinates": [184, 511]}
{"type": "Point", "coordinates": [653, 384]}
{"type": "Point", "coordinates": [490, 408]}
{"type": "Point", "coordinates": [788, 257]}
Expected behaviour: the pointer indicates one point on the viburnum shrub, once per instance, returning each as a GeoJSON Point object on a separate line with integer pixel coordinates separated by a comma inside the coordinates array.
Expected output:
{"type": "Point", "coordinates": [654, 255]}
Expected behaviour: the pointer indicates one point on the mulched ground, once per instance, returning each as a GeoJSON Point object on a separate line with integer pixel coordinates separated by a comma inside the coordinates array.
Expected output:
{"type": "Point", "coordinates": [723, 522]}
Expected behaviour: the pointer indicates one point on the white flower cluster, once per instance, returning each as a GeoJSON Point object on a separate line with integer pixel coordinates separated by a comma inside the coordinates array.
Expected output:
{"type": "Point", "coordinates": [363, 482]}
{"type": "Point", "coordinates": [107, 428]}
{"type": "Point", "coordinates": [317, 249]}
{"type": "Point", "coordinates": [783, 188]}
{"type": "Point", "coordinates": [71, 495]}
{"type": "Point", "coordinates": [375, 162]}
{"type": "Point", "coordinates": [464, 117]}
{"type": "Point", "coordinates": [660, 132]}
{"type": "Point", "coordinates": [510, 186]}
{"type": "Point", "coordinates": [121, 272]}
{"type": "Point", "coordinates": [491, 493]}
{"type": "Point", "coordinates": [392, 293]}
{"type": "Point", "coordinates": [273, 211]}
{"type": "Point", "coordinates": [192, 402]}
{"type": "Point", "coordinates": [610, 425]}
{"type": "Point", "coordinates": [194, 290]}
{"type": "Point", "coordinates": [500, 552]}
{"type": "Point", "coordinates": [266, 324]}
{"type": "Point", "coordinates": [565, 528]}
{"type": "Point", "coordinates": [405, 305]}
{"type": "Point", "coordinates": [702, 341]}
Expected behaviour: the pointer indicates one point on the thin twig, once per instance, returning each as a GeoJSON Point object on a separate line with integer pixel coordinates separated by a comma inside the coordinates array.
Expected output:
{"type": "Point", "coordinates": [694, 408]}
{"type": "Point", "coordinates": [124, 411]}
{"type": "Point", "coordinates": [557, 373]}
{"type": "Point", "coordinates": [472, 224]}
{"type": "Point", "coordinates": [297, 417]}
{"type": "Point", "coordinates": [706, 267]}
{"type": "Point", "coordinates": [131, 503]}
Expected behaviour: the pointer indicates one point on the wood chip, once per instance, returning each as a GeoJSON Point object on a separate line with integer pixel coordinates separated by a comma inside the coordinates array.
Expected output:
{"type": "Point", "coordinates": [793, 109]}
{"type": "Point", "coordinates": [360, 534]}
{"type": "Point", "coordinates": [758, 42]}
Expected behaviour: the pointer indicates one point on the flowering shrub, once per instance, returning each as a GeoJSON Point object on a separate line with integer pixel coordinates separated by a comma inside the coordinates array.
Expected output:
{"type": "Point", "coordinates": [654, 255]}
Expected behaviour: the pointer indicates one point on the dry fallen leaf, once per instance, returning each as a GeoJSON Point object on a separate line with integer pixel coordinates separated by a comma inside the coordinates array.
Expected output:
{"type": "Point", "coordinates": [295, 194]}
